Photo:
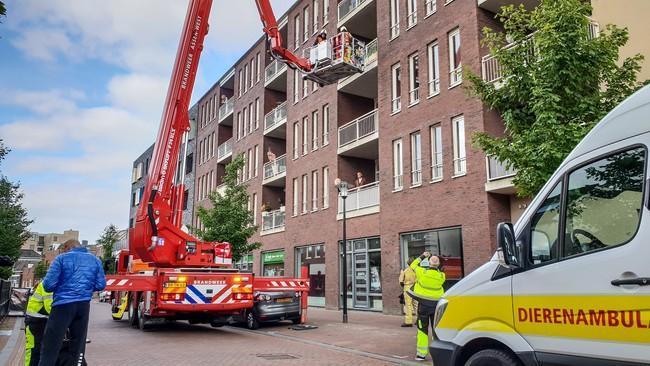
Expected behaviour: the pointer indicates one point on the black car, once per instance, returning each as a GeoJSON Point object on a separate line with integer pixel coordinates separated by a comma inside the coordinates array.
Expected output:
{"type": "Point", "coordinates": [274, 306]}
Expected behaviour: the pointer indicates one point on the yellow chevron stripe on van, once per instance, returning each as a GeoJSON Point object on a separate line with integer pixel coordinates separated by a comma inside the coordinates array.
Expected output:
{"type": "Point", "coordinates": [604, 318]}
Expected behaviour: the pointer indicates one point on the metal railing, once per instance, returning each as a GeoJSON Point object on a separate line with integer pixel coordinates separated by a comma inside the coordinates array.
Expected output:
{"type": "Point", "coordinates": [346, 7]}
{"type": "Point", "coordinates": [456, 75]}
{"type": "Point", "coordinates": [275, 117]}
{"type": "Point", "coordinates": [361, 197]}
{"type": "Point", "coordinates": [394, 30]}
{"type": "Point", "coordinates": [272, 220]}
{"type": "Point", "coordinates": [371, 51]}
{"type": "Point", "coordinates": [460, 166]}
{"type": "Point", "coordinates": [398, 181]}
{"type": "Point", "coordinates": [396, 104]}
{"type": "Point", "coordinates": [434, 86]}
{"type": "Point", "coordinates": [359, 128]}
{"type": "Point", "coordinates": [436, 166]}
{"type": "Point", "coordinates": [226, 108]}
{"type": "Point", "coordinates": [273, 69]}
{"type": "Point", "coordinates": [414, 95]}
{"type": "Point", "coordinates": [275, 167]}
{"type": "Point", "coordinates": [429, 7]}
{"type": "Point", "coordinates": [498, 170]}
{"type": "Point", "coordinates": [224, 149]}
{"type": "Point", "coordinates": [412, 19]}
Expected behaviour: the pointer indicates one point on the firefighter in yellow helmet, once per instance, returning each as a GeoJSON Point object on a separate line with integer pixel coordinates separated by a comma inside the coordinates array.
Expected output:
{"type": "Point", "coordinates": [406, 281]}
{"type": "Point", "coordinates": [427, 291]}
{"type": "Point", "coordinates": [38, 310]}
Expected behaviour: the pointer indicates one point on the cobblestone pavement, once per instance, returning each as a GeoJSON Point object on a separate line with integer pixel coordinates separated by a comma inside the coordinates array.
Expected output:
{"type": "Point", "coordinates": [175, 344]}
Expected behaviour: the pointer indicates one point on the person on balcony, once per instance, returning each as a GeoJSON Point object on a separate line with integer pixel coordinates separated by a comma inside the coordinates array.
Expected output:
{"type": "Point", "coordinates": [224, 99]}
{"type": "Point", "coordinates": [270, 155]}
{"type": "Point", "coordinates": [360, 180]}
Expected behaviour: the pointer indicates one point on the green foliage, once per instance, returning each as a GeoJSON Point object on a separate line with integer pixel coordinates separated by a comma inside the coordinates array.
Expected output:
{"type": "Point", "coordinates": [109, 237]}
{"type": "Point", "coordinates": [41, 270]}
{"type": "Point", "coordinates": [13, 218]}
{"type": "Point", "coordinates": [229, 219]}
{"type": "Point", "coordinates": [3, 9]}
{"type": "Point", "coordinates": [556, 85]}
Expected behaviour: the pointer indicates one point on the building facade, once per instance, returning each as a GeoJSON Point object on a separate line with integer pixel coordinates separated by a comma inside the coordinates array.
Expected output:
{"type": "Point", "coordinates": [43, 242]}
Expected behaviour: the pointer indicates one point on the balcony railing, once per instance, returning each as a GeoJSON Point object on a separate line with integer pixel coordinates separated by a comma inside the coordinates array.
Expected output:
{"type": "Point", "coordinates": [273, 69]}
{"type": "Point", "coordinates": [394, 30]}
{"type": "Point", "coordinates": [371, 51]}
{"type": "Point", "coordinates": [497, 170]}
{"type": "Point", "coordinates": [361, 197]}
{"type": "Point", "coordinates": [273, 220]}
{"type": "Point", "coordinates": [226, 108]}
{"type": "Point", "coordinates": [348, 6]}
{"type": "Point", "coordinates": [434, 86]}
{"type": "Point", "coordinates": [275, 117]}
{"type": "Point", "coordinates": [359, 128]}
{"type": "Point", "coordinates": [275, 167]}
{"type": "Point", "coordinates": [436, 166]}
{"type": "Point", "coordinates": [224, 149]}
{"type": "Point", "coordinates": [414, 95]}
{"type": "Point", "coordinates": [396, 104]}
{"type": "Point", "coordinates": [221, 189]}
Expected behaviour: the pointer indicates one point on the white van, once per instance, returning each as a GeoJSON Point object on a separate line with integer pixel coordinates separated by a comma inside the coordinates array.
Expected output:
{"type": "Point", "coordinates": [570, 283]}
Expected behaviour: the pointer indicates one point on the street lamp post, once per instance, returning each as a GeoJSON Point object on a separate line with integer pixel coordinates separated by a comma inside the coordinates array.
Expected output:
{"type": "Point", "coordinates": [342, 188]}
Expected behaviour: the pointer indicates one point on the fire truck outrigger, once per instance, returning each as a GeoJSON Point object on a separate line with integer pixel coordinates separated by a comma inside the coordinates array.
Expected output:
{"type": "Point", "coordinates": [167, 273]}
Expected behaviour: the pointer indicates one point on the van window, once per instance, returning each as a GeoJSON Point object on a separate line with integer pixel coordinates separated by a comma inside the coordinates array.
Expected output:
{"type": "Point", "coordinates": [544, 228]}
{"type": "Point", "coordinates": [604, 202]}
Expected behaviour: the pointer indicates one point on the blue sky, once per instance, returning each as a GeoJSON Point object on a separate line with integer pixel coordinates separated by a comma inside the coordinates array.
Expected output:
{"type": "Point", "coordinates": [82, 83]}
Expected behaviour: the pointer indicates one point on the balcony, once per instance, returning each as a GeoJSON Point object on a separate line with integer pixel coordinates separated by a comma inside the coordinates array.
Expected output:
{"type": "Point", "coordinates": [273, 221]}
{"type": "Point", "coordinates": [360, 137]}
{"type": "Point", "coordinates": [359, 17]}
{"type": "Point", "coordinates": [275, 122]}
{"type": "Point", "coordinates": [225, 112]}
{"type": "Point", "coordinates": [495, 5]}
{"type": "Point", "coordinates": [499, 177]}
{"type": "Point", "coordinates": [221, 189]}
{"type": "Point", "coordinates": [361, 201]}
{"type": "Point", "coordinates": [275, 76]}
{"type": "Point", "coordinates": [275, 172]}
{"type": "Point", "coordinates": [365, 83]}
{"type": "Point", "coordinates": [224, 151]}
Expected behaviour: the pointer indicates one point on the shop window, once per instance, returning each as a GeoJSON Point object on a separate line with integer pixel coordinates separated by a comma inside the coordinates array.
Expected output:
{"type": "Point", "coordinates": [313, 257]}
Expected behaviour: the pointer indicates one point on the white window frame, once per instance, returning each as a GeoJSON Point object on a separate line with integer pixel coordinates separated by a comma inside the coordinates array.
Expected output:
{"type": "Point", "coordinates": [305, 135]}
{"type": "Point", "coordinates": [252, 67]}
{"type": "Point", "coordinates": [250, 118]}
{"type": "Point", "coordinates": [460, 154]}
{"type": "Point", "coordinates": [305, 88]}
{"type": "Point", "coordinates": [315, 16]}
{"type": "Point", "coordinates": [414, 79]}
{"type": "Point", "coordinates": [326, 124]}
{"type": "Point", "coordinates": [244, 122]}
{"type": "Point", "coordinates": [433, 64]}
{"type": "Point", "coordinates": [296, 194]}
{"type": "Point", "coordinates": [296, 86]}
{"type": "Point", "coordinates": [395, 91]}
{"type": "Point", "coordinates": [326, 192]}
{"type": "Point", "coordinates": [314, 190]}
{"type": "Point", "coordinates": [394, 19]}
{"type": "Point", "coordinates": [257, 159]}
{"type": "Point", "coordinates": [241, 79]}
{"type": "Point", "coordinates": [257, 113]}
{"type": "Point", "coordinates": [411, 13]}
{"type": "Point", "coordinates": [398, 165]}
{"type": "Point", "coordinates": [430, 7]}
{"type": "Point", "coordinates": [246, 78]}
{"type": "Point", "coordinates": [437, 172]}
{"type": "Point", "coordinates": [305, 189]}
{"type": "Point", "coordinates": [258, 67]}
{"type": "Point", "coordinates": [326, 12]}
{"type": "Point", "coordinates": [314, 130]}
{"type": "Point", "coordinates": [296, 140]}
{"type": "Point", "coordinates": [254, 209]}
{"type": "Point", "coordinates": [306, 31]}
{"type": "Point", "coordinates": [296, 31]}
{"type": "Point", "coordinates": [238, 126]}
{"type": "Point", "coordinates": [455, 72]}
{"type": "Point", "coordinates": [416, 159]}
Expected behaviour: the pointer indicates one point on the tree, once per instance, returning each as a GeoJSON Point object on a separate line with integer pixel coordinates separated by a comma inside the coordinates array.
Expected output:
{"type": "Point", "coordinates": [13, 218]}
{"type": "Point", "coordinates": [3, 9]}
{"type": "Point", "coordinates": [109, 237]}
{"type": "Point", "coordinates": [229, 219]}
{"type": "Point", "coordinates": [41, 270]}
{"type": "Point", "coordinates": [557, 83]}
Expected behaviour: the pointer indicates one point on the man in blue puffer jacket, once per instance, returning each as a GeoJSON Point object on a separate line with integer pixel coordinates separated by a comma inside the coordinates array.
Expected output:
{"type": "Point", "coordinates": [73, 277]}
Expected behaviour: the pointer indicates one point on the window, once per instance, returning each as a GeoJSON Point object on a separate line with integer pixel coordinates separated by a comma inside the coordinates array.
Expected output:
{"type": "Point", "coordinates": [326, 191]}
{"type": "Point", "coordinates": [296, 86]}
{"type": "Point", "coordinates": [544, 228]}
{"type": "Point", "coordinates": [305, 88]}
{"type": "Point", "coordinates": [189, 163]}
{"type": "Point", "coordinates": [238, 125]}
{"type": "Point", "coordinates": [314, 130]}
{"type": "Point", "coordinates": [295, 196]}
{"type": "Point", "coordinates": [411, 13]}
{"type": "Point", "coordinates": [434, 68]}
{"type": "Point", "coordinates": [604, 203]}
{"type": "Point", "coordinates": [251, 118]}
{"type": "Point", "coordinates": [246, 71]}
{"type": "Point", "coordinates": [414, 79]}
{"type": "Point", "coordinates": [305, 187]}
{"type": "Point", "coordinates": [254, 208]}
{"type": "Point", "coordinates": [460, 163]}
{"type": "Point", "coordinates": [245, 122]}
{"type": "Point", "coordinates": [314, 190]}
{"type": "Point", "coordinates": [306, 31]}
{"type": "Point", "coordinates": [326, 11]}
{"type": "Point", "coordinates": [241, 79]}
{"type": "Point", "coordinates": [257, 158]}
{"type": "Point", "coordinates": [313, 257]}
{"type": "Point", "coordinates": [394, 18]}
{"type": "Point", "coordinates": [273, 263]}
{"type": "Point", "coordinates": [398, 169]}
{"type": "Point", "coordinates": [296, 32]}
{"type": "Point", "coordinates": [455, 66]}
{"type": "Point", "coordinates": [296, 140]}
{"type": "Point", "coordinates": [436, 153]}
{"type": "Point", "coordinates": [326, 124]}
{"type": "Point", "coordinates": [258, 67]}
{"type": "Point", "coordinates": [315, 19]}
{"type": "Point", "coordinates": [416, 159]}
{"type": "Point", "coordinates": [305, 135]}
{"type": "Point", "coordinates": [249, 164]}
{"type": "Point", "coordinates": [257, 113]}
{"type": "Point", "coordinates": [252, 67]}
{"type": "Point", "coordinates": [245, 264]}
{"type": "Point", "coordinates": [446, 243]}
{"type": "Point", "coordinates": [396, 91]}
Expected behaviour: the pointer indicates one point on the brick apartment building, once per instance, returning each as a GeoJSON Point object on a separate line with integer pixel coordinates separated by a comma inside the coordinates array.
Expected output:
{"type": "Point", "coordinates": [404, 124]}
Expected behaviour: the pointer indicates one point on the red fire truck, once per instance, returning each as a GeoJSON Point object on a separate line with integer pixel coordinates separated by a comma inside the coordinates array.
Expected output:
{"type": "Point", "coordinates": [167, 273]}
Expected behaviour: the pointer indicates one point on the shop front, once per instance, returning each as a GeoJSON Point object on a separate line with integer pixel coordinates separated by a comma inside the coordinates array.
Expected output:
{"type": "Point", "coordinates": [273, 263]}
{"type": "Point", "coordinates": [363, 273]}
{"type": "Point", "coordinates": [313, 256]}
{"type": "Point", "coordinates": [446, 243]}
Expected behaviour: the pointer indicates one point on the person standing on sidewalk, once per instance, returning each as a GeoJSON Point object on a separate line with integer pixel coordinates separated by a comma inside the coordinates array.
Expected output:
{"type": "Point", "coordinates": [407, 280]}
{"type": "Point", "coordinates": [38, 309]}
{"type": "Point", "coordinates": [427, 291]}
{"type": "Point", "coordinates": [73, 277]}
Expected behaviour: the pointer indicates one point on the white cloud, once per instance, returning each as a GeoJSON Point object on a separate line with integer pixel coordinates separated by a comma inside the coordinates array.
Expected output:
{"type": "Point", "coordinates": [141, 93]}
{"type": "Point", "coordinates": [42, 102]}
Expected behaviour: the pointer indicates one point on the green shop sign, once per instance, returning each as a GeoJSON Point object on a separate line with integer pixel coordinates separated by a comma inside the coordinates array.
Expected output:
{"type": "Point", "coordinates": [273, 257]}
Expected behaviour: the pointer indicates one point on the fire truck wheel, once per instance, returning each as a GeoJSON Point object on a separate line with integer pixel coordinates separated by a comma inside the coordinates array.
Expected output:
{"type": "Point", "coordinates": [142, 318]}
{"type": "Point", "coordinates": [133, 310]}
{"type": "Point", "coordinates": [295, 320]}
{"type": "Point", "coordinates": [251, 321]}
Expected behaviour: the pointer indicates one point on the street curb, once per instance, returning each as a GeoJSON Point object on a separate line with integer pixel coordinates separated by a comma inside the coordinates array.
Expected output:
{"type": "Point", "coordinates": [375, 356]}
{"type": "Point", "coordinates": [10, 352]}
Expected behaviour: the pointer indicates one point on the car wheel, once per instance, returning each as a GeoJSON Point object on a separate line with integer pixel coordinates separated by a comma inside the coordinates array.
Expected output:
{"type": "Point", "coordinates": [492, 357]}
{"type": "Point", "coordinates": [252, 322]}
{"type": "Point", "coordinates": [296, 321]}
{"type": "Point", "coordinates": [142, 319]}
{"type": "Point", "coordinates": [133, 310]}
